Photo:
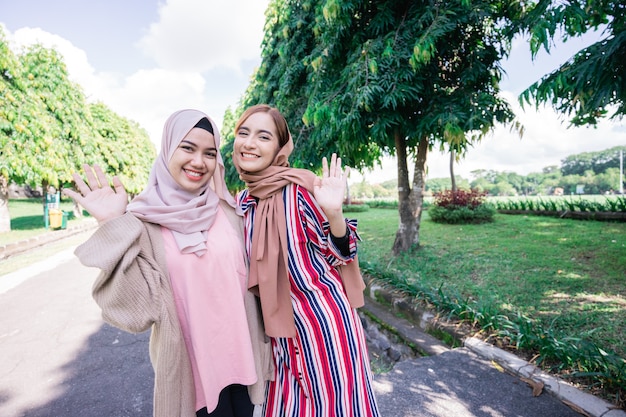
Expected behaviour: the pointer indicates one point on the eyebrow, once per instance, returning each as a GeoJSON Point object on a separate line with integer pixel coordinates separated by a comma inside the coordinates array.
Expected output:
{"type": "Point", "coordinates": [191, 143]}
{"type": "Point", "coordinates": [260, 131]}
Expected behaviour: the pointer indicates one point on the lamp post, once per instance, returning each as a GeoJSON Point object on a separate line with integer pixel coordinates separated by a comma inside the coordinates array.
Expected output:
{"type": "Point", "coordinates": [621, 172]}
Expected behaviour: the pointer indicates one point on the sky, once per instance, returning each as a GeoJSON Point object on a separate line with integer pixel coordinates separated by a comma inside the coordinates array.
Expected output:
{"type": "Point", "coordinates": [146, 59]}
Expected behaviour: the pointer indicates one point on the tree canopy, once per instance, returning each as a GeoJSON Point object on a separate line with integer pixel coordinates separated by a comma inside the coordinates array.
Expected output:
{"type": "Point", "coordinates": [363, 78]}
{"type": "Point", "coordinates": [592, 84]}
{"type": "Point", "coordinates": [48, 129]}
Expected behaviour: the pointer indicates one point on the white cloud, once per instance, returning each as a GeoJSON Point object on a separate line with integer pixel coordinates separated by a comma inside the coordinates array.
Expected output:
{"type": "Point", "coordinates": [193, 35]}
{"type": "Point", "coordinates": [190, 39]}
{"type": "Point", "coordinates": [79, 69]}
{"type": "Point", "coordinates": [150, 96]}
{"type": "Point", "coordinates": [547, 140]}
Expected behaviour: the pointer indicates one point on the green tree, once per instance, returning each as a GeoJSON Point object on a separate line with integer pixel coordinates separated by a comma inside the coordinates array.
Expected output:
{"type": "Point", "coordinates": [396, 77]}
{"type": "Point", "coordinates": [515, 180]}
{"type": "Point", "coordinates": [598, 162]}
{"type": "Point", "coordinates": [608, 181]}
{"type": "Point", "coordinates": [409, 76]}
{"type": "Point", "coordinates": [55, 155]}
{"type": "Point", "coordinates": [482, 184]}
{"type": "Point", "coordinates": [122, 147]}
{"type": "Point", "coordinates": [13, 103]}
{"type": "Point", "coordinates": [233, 181]}
{"type": "Point", "coordinates": [366, 190]}
{"type": "Point", "coordinates": [284, 77]}
{"type": "Point", "coordinates": [503, 188]}
{"type": "Point", "coordinates": [47, 130]}
{"type": "Point", "coordinates": [590, 84]}
{"type": "Point", "coordinates": [27, 131]}
{"type": "Point", "coordinates": [437, 185]}
{"type": "Point", "coordinates": [532, 183]}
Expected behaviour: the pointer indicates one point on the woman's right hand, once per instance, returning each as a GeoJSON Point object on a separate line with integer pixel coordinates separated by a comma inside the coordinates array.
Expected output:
{"type": "Point", "coordinates": [102, 201]}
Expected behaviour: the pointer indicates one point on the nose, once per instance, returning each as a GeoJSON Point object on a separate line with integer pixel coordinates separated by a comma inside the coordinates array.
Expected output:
{"type": "Point", "coordinates": [197, 159]}
{"type": "Point", "coordinates": [249, 142]}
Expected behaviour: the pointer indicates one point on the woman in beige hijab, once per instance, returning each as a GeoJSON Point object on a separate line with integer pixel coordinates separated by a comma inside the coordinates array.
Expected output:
{"type": "Point", "coordinates": [173, 261]}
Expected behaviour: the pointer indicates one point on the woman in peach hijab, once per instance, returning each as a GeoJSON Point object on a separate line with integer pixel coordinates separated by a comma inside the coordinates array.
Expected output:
{"type": "Point", "coordinates": [303, 265]}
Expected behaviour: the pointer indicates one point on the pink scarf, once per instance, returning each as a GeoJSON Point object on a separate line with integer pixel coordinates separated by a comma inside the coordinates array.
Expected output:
{"type": "Point", "coordinates": [189, 216]}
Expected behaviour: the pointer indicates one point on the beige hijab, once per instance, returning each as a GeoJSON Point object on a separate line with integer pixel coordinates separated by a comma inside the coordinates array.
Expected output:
{"type": "Point", "coordinates": [189, 216]}
{"type": "Point", "coordinates": [268, 258]}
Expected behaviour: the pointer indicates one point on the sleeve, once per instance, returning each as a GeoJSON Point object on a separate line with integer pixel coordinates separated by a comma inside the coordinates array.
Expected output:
{"type": "Point", "coordinates": [314, 225]}
{"type": "Point", "coordinates": [127, 288]}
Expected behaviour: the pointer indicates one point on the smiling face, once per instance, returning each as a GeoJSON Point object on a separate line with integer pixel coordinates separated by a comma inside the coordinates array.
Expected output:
{"type": "Point", "coordinates": [256, 143]}
{"type": "Point", "coordinates": [193, 162]}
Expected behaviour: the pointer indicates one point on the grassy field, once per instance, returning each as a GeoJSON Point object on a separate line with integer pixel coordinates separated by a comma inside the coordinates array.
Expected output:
{"type": "Point", "coordinates": [26, 222]}
{"type": "Point", "coordinates": [27, 219]}
{"type": "Point", "coordinates": [552, 289]}
{"type": "Point", "coordinates": [568, 274]}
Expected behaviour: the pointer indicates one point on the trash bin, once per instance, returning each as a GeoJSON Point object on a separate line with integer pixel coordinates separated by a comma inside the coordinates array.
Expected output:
{"type": "Point", "coordinates": [56, 218]}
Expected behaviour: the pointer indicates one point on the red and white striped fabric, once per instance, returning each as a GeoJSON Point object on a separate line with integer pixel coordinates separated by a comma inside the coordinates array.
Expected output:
{"type": "Point", "coordinates": [324, 371]}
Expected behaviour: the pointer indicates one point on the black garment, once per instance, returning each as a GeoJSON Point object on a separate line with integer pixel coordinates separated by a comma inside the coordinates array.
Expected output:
{"type": "Point", "coordinates": [342, 243]}
{"type": "Point", "coordinates": [205, 124]}
{"type": "Point", "coordinates": [234, 401]}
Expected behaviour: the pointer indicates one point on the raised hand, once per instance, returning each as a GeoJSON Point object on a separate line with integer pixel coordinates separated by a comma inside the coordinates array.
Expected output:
{"type": "Point", "coordinates": [102, 201]}
{"type": "Point", "coordinates": [329, 192]}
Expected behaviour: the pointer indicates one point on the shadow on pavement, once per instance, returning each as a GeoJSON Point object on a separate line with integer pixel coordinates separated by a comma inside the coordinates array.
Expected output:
{"type": "Point", "coordinates": [110, 376]}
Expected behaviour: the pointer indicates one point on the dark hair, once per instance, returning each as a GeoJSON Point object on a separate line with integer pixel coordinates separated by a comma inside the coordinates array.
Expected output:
{"type": "Point", "coordinates": [282, 129]}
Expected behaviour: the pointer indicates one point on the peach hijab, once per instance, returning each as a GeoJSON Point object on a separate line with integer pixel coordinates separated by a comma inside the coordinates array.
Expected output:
{"type": "Point", "coordinates": [189, 216]}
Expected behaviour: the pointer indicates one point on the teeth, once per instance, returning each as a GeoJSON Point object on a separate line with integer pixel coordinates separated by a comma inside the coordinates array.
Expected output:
{"type": "Point", "coordinates": [193, 173]}
{"type": "Point", "coordinates": [249, 155]}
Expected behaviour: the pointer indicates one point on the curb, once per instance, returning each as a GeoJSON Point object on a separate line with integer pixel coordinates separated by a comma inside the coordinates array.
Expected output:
{"type": "Point", "coordinates": [15, 248]}
{"type": "Point", "coordinates": [580, 401]}
{"type": "Point", "coordinates": [412, 329]}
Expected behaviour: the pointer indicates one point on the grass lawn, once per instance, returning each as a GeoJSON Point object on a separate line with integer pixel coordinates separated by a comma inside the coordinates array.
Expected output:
{"type": "Point", "coordinates": [26, 222]}
{"type": "Point", "coordinates": [569, 275]}
{"type": "Point", "coordinates": [555, 288]}
{"type": "Point", "coordinates": [27, 219]}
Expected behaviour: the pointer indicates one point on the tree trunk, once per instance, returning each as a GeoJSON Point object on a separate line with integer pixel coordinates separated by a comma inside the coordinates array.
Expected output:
{"type": "Point", "coordinates": [419, 185]}
{"type": "Point", "coordinates": [44, 196]}
{"type": "Point", "coordinates": [5, 216]}
{"type": "Point", "coordinates": [410, 200]}
{"type": "Point", "coordinates": [452, 179]}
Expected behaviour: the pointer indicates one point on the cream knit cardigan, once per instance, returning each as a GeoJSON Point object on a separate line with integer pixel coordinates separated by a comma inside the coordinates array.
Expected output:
{"type": "Point", "coordinates": [133, 290]}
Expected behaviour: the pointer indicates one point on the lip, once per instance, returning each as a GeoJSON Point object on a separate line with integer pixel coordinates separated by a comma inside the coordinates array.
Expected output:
{"type": "Point", "coordinates": [193, 175]}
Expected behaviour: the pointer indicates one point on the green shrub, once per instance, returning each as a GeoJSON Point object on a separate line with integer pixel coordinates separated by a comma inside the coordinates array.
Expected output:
{"type": "Point", "coordinates": [388, 204]}
{"type": "Point", "coordinates": [561, 204]}
{"type": "Point", "coordinates": [355, 208]}
{"type": "Point", "coordinates": [461, 207]}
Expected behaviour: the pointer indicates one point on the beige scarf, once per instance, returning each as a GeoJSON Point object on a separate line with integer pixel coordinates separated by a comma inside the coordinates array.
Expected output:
{"type": "Point", "coordinates": [268, 258]}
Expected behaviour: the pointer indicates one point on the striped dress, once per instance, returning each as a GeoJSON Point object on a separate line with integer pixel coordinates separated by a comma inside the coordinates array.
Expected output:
{"type": "Point", "coordinates": [324, 371]}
